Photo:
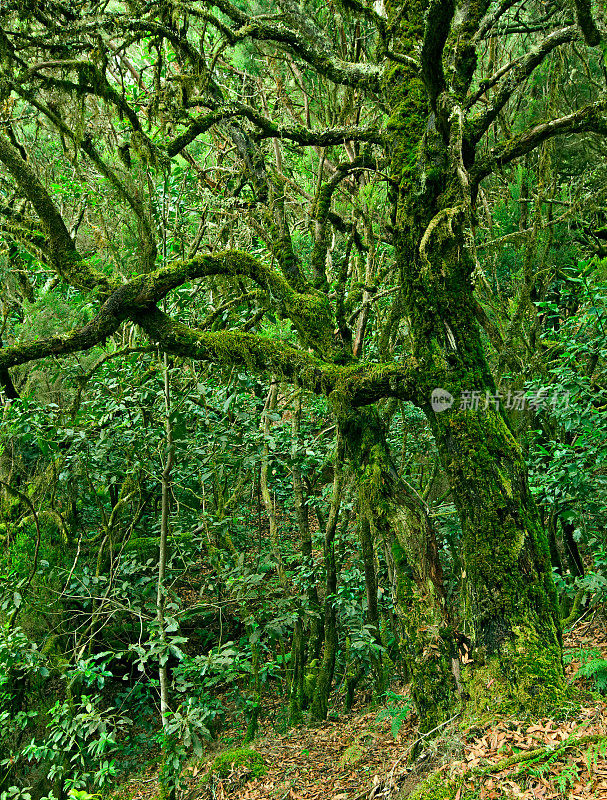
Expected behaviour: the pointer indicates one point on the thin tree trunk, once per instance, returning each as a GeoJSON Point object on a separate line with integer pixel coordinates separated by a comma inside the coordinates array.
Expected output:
{"type": "Point", "coordinates": [309, 627]}
{"type": "Point", "coordinates": [368, 553]}
{"type": "Point", "coordinates": [168, 781]}
{"type": "Point", "coordinates": [164, 532]}
{"type": "Point", "coordinates": [322, 690]}
{"type": "Point", "coordinates": [263, 482]}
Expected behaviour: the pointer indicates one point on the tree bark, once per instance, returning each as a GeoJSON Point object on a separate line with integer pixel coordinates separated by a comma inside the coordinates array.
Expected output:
{"type": "Point", "coordinates": [398, 518]}
{"type": "Point", "coordinates": [324, 680]}
{"type": "Point", "coordinates": [268, 501]}
{"type": "Point", "coordinates": [309, 626]}
{"type": "Point", "coordinates": [168, 782]}
{"type": "Point", "coordinates": [368, 554]}
{"type": "Point", "coordinates": [510, 609]}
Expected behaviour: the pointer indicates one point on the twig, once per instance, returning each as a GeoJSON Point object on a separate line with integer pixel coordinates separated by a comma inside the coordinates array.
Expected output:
{"type": "Point", "coordinates": [407, 751]}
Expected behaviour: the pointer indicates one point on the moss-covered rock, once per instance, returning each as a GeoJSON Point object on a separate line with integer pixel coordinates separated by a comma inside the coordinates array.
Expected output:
{"type": "Point", "coordinates": [353, 754]}
{"type": "Point", "coordinates": [238, 766]}
{"type": "Point", "coordinates": [436, 787]}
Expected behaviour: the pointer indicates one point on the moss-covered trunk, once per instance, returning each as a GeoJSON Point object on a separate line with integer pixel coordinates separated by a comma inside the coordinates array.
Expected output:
{"type": "Point", "coordinates": [510, 605]}
{"type": "Point", "coordinates": [397, 518]}
{"type": "Point", "coordinates": [509, 602]}
{"type": "Point", "coordinates": [324, 680]}
{"type": "Point", "coordinates": [510, 609]}
{"type": "Point", "coordinates": [368, 554]}
{"type": "Point", "coordinates": [309, 628]}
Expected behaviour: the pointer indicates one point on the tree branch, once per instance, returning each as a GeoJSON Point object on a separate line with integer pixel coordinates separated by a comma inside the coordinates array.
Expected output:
{"type": "Point", "coordinates": [310, 45]}
{"type": "Point", "coordinates": [353, 385]}
{"type": "Point", "coordinates": [517, 75]}
{"type": "Point", "coordinates": [491, 18]}
{"type": "Point", "coordinates": [438, 23]}
{"type": "Point", "coordinates": [62, 249]}
{"type": "Point", "coordinates": [269, 129]}
{"type": "Point", "coordinates": [113, 312]}
{"type": "Point", "coordinates": [586, 22]}
{"type": "Point", "coordinates": [86, 144]}
{"type": "Point", "coordinates": [591, 118]}
{"type": "Point", "coordinates": [464, 45]}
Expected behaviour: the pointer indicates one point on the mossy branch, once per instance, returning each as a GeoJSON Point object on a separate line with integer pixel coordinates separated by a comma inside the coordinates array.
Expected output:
{"type": "Point", "coordinates": [462, 47]}
{"type": "Point", "coordinates": [355, 386]}
{"type": "Point", "coordinates": [590, 118]}
{"type": "Point", "coordinates": [63, 251]}
{"type": "Point", "coordinates": [267, 129]}
{"type": "Point", "coordinates": [87, 146]}
{"type": "Point", "coordinates": [438, 23]}
{"type": "Point", "coordinates": [309, 43]}
{"type": "Point", "coordinates": [106, 323]}
{"type": "Point", "coordinates": [321, 215]}
{"type": "Point", "coordinates": [538, 753]}
{"type": "Point", "coordinates": [490, 19]}
{"type": "Point", "coordinates": [585, 20]}
{"type": "Point", "coordinates": [516, 76]}
{"type": "Point", "coordinates": [444, 215]}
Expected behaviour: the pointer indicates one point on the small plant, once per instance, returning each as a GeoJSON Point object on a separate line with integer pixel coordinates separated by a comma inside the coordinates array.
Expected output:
{"type": "Point", "coordinates": [15, 793]}
{"type": "Point", "coordinates": [567, 778]}
{"type": "Point", "coordinates": [541, 765]}
{"type": "Point", "coordinates": [82, 738]}
{"type": "Point", "coordinates": [397, 711]}
{"type": "Point", "coordinates": [594, 754]}
{"type": "Point", "coordinates": [596, 670]}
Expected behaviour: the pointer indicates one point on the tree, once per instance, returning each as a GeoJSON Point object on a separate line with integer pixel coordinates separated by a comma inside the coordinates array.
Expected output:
{"type": "Point", "coordinates": [153, 101]}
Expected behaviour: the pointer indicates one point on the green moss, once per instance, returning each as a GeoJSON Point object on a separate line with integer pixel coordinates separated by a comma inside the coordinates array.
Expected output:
{"type": "Point", "coordinates": [428, 644]}
{"type": "Point", "coordinates": [405, 91]}
{"type": "Point", "coordinates": [312, 317]}
{"type": "Point", "coordinates": [491, 695]}
{"type": "Point", "coordinates": [434, 788]}
{"type": "Point", "coordinates": [524, 679]}
{"type": "Point", "coordinates": [538, 676]}
{"type": "Point", "coordinates": [242, 763]}
{"type": "Point", "coordinates": [352, 755]}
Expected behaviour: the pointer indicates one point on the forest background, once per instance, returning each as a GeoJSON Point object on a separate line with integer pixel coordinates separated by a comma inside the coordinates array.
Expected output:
{"type": "Point", "coordinates": [303, 367]}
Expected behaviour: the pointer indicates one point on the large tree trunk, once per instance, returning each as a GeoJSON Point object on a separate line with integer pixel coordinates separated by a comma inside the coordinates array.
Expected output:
{"type": "Point", "coordinates": [510, 609]}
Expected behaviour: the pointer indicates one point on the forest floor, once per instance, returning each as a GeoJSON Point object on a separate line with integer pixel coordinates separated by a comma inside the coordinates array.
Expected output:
{"type": "Point", "coordinates": [358, 757]}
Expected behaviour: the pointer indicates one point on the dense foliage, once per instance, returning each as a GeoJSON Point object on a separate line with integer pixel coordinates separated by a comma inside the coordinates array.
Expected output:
{"type": "Point", "coordinates": [242, 244]}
